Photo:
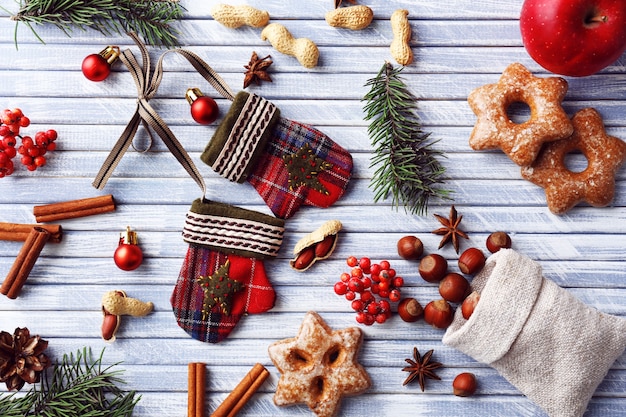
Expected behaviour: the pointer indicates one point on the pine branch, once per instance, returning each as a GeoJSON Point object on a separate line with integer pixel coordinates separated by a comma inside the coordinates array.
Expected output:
{"type": "Point", "coordinates": [79, 386]}
{"type": "Point", "coordinates": [407, 168]}
{"type": "Point", "coordinates": [151, 19]}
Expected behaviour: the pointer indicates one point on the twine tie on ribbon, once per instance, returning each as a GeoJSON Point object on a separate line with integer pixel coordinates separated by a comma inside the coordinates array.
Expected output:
{"type": "Point", "coordinates": [147, 85]}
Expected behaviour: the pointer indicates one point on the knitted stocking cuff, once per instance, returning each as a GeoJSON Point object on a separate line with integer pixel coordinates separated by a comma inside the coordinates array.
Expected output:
{"type": "Point", "coordinates": [241, 138]}
{"type": "Point", "coordinates": [233, 230]}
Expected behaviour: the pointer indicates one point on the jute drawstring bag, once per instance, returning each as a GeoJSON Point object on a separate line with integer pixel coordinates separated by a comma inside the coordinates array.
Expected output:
{"type": "Point", "coordinates": [551, 346]}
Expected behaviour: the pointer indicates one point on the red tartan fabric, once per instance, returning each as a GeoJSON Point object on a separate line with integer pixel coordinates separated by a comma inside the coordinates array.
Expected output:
{"type": "Point", "coordinates": [187, 298]}
{"type": "Point", "coordinates": [271, 178]}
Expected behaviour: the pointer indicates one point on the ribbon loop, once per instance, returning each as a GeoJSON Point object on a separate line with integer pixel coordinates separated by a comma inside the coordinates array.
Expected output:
{"type": "Point", "coordinates": [147, 85]}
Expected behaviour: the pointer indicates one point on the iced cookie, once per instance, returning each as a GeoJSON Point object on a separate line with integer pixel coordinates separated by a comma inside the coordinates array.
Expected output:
{"type": "Point", "coordinates": [596, 183]}
{"type": "Point", "coordinates": [319, 366]}
{"type": "Point", "coordinates": [520, 141]}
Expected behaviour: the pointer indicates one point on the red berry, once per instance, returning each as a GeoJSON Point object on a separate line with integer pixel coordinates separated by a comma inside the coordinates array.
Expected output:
{"type": "Point", "coordinates": [51, 134]}
{"type": "Point", "coordinates": [40, 161]}
{"type": "Point", "coordinates": [394, 295]}
{"type": "Point", "coordinates": [385, 265]}
{"type": "Point", "coordinates": [350, 295]}
{"type": "Point", "coordinates": [360, 317]}
{"type": "Point", "coordinates": [372, 308]}
{"type": "Point", "coordinates": [357, 305]}
{"type": "Point", "coordinates": [11, 152]}
{"type": "Point", "coordinates": [375, 270]}
{"type": "Point", "coordinates": [51, 146]}
{"type": "Point", "coordinates": [27, 160]}
{"type": "Point", "coordinates": [365, 264]}
{"type": "Point", "coordinates": [27, 141]}
{"type": "Point", "coordinates": [398, 282]}
{"type": "Point", "coordinates": [356, 272]}
{"type": "Point", "coordinates": [340, 288]}
{"type": "Point", "coordinates": [367, 282]}
{"type": "Point", "coordinates": [4, 130]}
{"type": "Point", "coordinates": [369, 319]}
{"type": "Point", "coordinates": [355, 285]}
{"type": "Point", "coordinates": [31, 167]}
{"type": "Point", "coordinates": [352, 261]}
{"type": "Point", "coordinates": [367, 296]}
{"type": "Point", "coordinates": [24, 121]}
{"type": "Point", "coordinates": [9, 141]}
{"type": "Point", "coordinates": [381, 318]}
{"type": "Point", "coordinates": [344, 277]}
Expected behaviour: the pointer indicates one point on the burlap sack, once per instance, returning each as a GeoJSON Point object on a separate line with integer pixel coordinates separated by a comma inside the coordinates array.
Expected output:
{"type": "Point", "coordinates": [555, 349]}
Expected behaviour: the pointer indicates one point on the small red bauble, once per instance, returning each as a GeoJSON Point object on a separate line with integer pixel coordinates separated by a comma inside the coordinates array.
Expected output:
{"type": "Point", "coordinates": [204, 109]}
{"type": "Point", "coordinates": [97, 67]}
{"type": "Point", "coordinates": [128, 255]}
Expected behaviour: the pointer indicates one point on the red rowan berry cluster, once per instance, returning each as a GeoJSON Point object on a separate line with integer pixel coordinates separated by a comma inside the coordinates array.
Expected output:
{"type": "Point", "coordinates": [32, 150]}
{"type": "Point", "coordinates": [370, 287]}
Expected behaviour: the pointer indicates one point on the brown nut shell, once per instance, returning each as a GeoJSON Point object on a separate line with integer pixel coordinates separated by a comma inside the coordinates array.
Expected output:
{"type": "Point", "coordinates": [321, 243]}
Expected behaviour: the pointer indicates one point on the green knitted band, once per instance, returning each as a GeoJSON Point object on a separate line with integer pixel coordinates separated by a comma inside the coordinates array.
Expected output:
{"type": "Point", "coordinates": [241, 138]}
{"type": "Point", "coordinates": [233, 230]}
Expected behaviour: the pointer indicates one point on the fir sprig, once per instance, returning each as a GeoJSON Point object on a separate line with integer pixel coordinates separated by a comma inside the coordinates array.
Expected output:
{"type": "Point", "coordinates": [79, 386]}
{"type": "Point", "coordinates": [151, 19]}
{"type": "Point", "coordinates": [407, 165]}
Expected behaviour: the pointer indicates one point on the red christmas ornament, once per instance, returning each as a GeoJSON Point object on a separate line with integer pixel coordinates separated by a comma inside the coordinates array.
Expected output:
{"type": "Point", "coordinates": [128, 255]}
{"type": "Point", "coordinates": [204, 109]}
{"type": "Point", "coordinates": [97, 67]}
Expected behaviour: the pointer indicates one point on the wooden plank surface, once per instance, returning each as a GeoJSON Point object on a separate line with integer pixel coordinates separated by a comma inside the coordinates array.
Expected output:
{"type": "Point", "coordinates": [458, 45]}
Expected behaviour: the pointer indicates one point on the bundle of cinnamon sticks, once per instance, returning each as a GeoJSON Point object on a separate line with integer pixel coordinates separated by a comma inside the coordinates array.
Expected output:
{"type": "Point", "coordinates": [18, 232]}
{"type": "Point", "coordinates": [196, 381]}
{"type": "Point", "coordinates": [24, 262]}
{"type": "Point", "coordinates": [242, 392]}
{"type": "Point", "coordinates": [74, 208]}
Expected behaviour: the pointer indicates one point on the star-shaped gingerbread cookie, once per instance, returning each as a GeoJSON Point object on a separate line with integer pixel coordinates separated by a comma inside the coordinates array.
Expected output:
{"type": "Point", "coordinates": [519, 141]}
{"type": "Point", "coordinates": [596, 183]}
{"type": "Point", "coordinates": [319, 366]}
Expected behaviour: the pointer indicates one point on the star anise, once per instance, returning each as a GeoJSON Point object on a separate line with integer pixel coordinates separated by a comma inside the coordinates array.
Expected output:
{"type": "Point", "coordinates": [421, 368]}
{"type": "Point", "coordinates": [256, 70]}
{"type": "Point", "coordinates": [21, 358]}
{"type": "Point", "coordinates": [450, 229]}
{"type": "Point", "coordinates": [338, 2]}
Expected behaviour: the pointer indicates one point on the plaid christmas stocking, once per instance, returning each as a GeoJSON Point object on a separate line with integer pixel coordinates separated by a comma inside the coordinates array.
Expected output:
{"type": "Point", "coordinates": [289, 163]}
{"type": "Point", "coordinates": [223, 275]}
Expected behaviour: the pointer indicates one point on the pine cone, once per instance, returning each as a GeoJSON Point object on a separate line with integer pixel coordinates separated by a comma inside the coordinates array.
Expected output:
{"type": "Point", "coordinates": [21, 358]}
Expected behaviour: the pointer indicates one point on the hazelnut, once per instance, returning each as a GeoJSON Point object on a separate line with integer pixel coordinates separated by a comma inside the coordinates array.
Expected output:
{"type": "Point", "coordinates": [433, 267]}
{"type": "Point", "coordinates": [454, 287]}
{"type": "Point", "coordinates": [471, 261]}
{"type": "Point", "coordinates": [439, 314]}
{"type": "Point", "coordinates": [464, 384]}
{"type": "Point", "coordinates": [410, 310]}
{"type": "Point", "coordinates": [410, 248]}
{"type": "Point", "coordinates": [469, 304]}
{"type": "Point", "coordinates": [497, 241]}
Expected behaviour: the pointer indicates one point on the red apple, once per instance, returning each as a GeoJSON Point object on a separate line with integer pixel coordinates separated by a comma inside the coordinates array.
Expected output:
{"type": "Point", "coordinates": [574, 37]}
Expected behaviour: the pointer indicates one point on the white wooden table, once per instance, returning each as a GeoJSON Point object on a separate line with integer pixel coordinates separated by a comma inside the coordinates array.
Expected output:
{"type": "Point", "coordinates": [459, 45]}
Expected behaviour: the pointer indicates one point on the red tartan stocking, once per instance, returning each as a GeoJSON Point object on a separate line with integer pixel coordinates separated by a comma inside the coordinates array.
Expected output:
{"type": "Point", "coordinates": [289, 163]}
{"type": "Point", "coordinates": [223, 275]}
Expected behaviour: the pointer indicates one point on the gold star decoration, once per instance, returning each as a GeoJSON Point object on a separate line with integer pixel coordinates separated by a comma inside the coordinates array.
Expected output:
{"type": "Point", "coordinates": [304, 167]}
{"type": "Point", "coordinates": [319, 366]}
{"type": "Point", "coordinates": [596, 183]}
{"type": "Point", "coordinates": [519, 141]}
{"type": "Point", "coordinates": [219, 290]}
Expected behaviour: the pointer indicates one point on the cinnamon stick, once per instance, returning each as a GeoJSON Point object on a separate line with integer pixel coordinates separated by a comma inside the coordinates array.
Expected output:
{"type": "Point", "coordinates": [196, 382]}
{"type": "Point", "coordinates": [242, 392]}
{"type": "Point", "coordinates": [18, 232]}
{"type": "Point", "coordinates": [24, 262]}
{"type": "Point", "coordinates": [74, 208]}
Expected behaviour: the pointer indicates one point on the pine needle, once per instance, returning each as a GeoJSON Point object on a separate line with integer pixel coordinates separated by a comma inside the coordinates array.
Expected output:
{"type": "Point", "coordinates": [407, 168]}
{"type": "Point", "coordinates": [151, 19]}
{"type": "Point", "coordinates": [79, 387]}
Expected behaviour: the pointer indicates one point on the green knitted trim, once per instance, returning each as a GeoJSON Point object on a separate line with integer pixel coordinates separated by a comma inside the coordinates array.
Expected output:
{"type": "Point", "coordinates": [215, 145]}
{"type": "Point", "coordinates": [254, 234]}
{"type": "Point", "coordinates": [204, 206]}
